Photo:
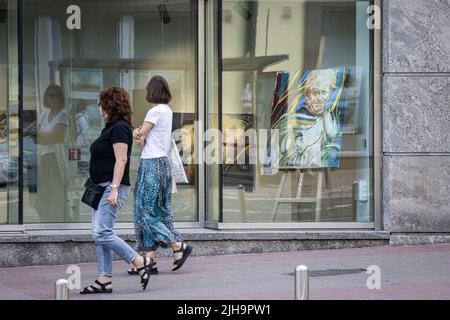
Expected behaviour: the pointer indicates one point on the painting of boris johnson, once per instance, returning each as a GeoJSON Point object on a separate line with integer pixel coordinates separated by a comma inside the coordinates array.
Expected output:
{"type": "Point", "coordinates": [308, 110]}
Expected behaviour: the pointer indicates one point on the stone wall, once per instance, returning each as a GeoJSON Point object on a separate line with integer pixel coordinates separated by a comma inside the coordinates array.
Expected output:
{"type": "Point", "coordinates": [416, 117]}
{"type": "Point", "coordinates": [76, 246]}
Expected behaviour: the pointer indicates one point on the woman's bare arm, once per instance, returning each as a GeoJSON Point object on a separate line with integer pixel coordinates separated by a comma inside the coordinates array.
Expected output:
{"type": "Point", "coordinates": [121, 155]}
{"type": "Point", "coordinates": [139, 134]}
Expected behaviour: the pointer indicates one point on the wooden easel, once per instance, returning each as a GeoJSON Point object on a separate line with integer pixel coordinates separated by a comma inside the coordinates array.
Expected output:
{"type": "Point", "coordinates": [298, 196]}
{"type": "Point", "coordinates": [321, 176]}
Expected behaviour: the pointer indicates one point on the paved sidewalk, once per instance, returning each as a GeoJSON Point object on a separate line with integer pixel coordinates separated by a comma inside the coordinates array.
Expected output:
{"type": "Point", "coordinates": [412, 272]}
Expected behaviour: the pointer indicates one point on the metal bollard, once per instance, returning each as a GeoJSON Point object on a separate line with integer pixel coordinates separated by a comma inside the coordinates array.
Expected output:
{"type": "Point", "coordinates": [301, 283]}
{"type": "Point", "coordinates": [62, 289]}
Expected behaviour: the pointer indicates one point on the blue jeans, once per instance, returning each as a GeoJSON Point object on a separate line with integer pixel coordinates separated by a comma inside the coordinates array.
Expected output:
{"type": "Point", "coordinates": [106, 241]}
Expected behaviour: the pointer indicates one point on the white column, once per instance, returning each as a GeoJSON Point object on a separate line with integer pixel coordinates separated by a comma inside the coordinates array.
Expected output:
{"type": "Point", "coordinates": [126, 50]}
{"type": "Point", "coordinates": [47, 48]}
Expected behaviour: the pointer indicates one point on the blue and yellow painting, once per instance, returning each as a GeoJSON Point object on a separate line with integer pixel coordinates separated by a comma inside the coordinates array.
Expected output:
{"type": "Point", "coordinates": [308, 110]}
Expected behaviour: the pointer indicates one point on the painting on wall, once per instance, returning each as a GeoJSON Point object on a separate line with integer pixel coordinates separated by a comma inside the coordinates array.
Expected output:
{"type": "Point", "coordinates": [309, 112]}
{"type": "Point", "coordinates": [352, 101]}
{"type": "Point", "coordinates": [236, 169]}
{"type": "Point", "coordinates": [86, 84]}
{"type": "Point", "coordinates": [3, 127]}
{"type": "Point", "coordinates": [184, 124]}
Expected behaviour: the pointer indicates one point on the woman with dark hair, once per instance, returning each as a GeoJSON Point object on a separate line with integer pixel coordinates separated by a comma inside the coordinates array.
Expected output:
{"type": "Point", "coordinates": [51, 130]}
{"type": "Point", "coordinates": [152, 211]}
{"type": "Point", "coordinates": [110, 168]}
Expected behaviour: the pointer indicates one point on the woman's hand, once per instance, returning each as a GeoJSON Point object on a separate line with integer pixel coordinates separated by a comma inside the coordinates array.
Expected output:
{"type": "Point", "coordinates": [141, 141]}
{"type": "Point", "coordinates": [138, 137]}
{"type": "Point", "coordinates": [113, 197]}
{"type": "Point", "coordinates": [137, 134]}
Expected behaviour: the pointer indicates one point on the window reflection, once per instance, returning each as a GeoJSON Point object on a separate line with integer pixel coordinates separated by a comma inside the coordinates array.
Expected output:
{"type": "Point", "coordinates": [51, 128]}
{"type": "Point", "coordinates": [304, 68]}
{"type": "Point", "coordinates": [119, 43]}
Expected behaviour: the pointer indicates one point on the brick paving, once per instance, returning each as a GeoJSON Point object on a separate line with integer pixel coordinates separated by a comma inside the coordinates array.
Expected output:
{"type": "Point", "coordinates": [407, 272]}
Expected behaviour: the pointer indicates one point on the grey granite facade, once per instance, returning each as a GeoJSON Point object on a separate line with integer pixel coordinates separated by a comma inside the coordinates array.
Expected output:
{"type": "Point", "coordinates": [416, 114]}
{"type": "Point", "coordinates": [418, 239]}
{"type": "Point", "coordinates": [416, 193]}
{"type": "Point", "coordinates": [67, 247]}
{"type": "Point", "coordinates": [417, 34]}
{"type": "Point", "coordinates": [416, 120]}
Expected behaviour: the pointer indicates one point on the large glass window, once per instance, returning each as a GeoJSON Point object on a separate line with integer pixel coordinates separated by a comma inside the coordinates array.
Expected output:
{"type": "Point", "coordinates": [302, 69]}
{"type": "Point", "coordinates": [73, 49]}
{"type": "Point", "coordinates": [9, 138]}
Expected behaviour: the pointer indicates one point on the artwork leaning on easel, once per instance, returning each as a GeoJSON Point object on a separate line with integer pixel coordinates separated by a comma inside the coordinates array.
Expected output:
{"type": "Point", "coordinates": [309, 110]}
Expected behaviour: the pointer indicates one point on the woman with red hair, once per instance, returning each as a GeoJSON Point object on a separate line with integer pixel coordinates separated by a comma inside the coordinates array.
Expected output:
{"type": "Point", "coordinates": [110, 168]}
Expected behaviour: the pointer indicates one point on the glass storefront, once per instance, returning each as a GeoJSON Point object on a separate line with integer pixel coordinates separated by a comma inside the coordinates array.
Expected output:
{"type": "Point", "coordinates": [117, 43]}
{"type": "Point", "coordinates": [303, 68]}
{"type": "Point", "coordinates": [287, 112]}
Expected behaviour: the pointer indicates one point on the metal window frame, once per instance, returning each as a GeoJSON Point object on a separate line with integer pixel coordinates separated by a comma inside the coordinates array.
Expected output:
{"type": "Point", "coordinates": [201, 112]}
{"type": "Point", "coordinates": [14, 53]}
{"type": "Point", "coordinates": [339, 226]}
{"type": "Point", "coordinates": [212, 18]}
{"type": "Point", "coordinates": [87, 226]}
{"type": "Point", "coordinates": [220, 104]}
{"type": "Point", "coordinates": [378, 122]}
{"type": "Point", "coordinates": [20, 114]}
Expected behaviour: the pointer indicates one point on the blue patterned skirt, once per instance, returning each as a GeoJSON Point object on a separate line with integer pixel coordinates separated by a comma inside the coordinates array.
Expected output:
{"type": "Point", "coordinates": [153, 216]}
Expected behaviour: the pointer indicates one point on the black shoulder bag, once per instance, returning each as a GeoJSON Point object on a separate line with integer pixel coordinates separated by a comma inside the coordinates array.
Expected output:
{"type": "Point", "coordinates": [93, 194]}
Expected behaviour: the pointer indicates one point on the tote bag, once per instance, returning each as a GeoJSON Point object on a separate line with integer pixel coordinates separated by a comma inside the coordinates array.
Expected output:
{"type": "Point", "coordinates": [176, 165]}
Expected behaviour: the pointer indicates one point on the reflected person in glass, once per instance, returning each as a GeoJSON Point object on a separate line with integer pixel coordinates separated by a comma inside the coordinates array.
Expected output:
{"type": "Point", "coordinates": [51, 131]}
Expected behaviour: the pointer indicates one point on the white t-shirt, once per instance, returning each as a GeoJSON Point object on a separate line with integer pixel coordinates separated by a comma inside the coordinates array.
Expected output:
{"type": "Point", "coordinates": [157, 142]}
{"type": "Point", "coordinates": [82, 122]}
{"type": "Point", "coordinates": [47, 126]}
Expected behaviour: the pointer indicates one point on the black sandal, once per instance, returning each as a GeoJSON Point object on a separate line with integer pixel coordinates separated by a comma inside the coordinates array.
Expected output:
{"type": "Point", "coordinates": [186, 250]}
{"type": "Point", "coordinates": [147, 267]}
{"type": "Point", "coordinates": [93, 289]}
{"type": "Point", "coordinates": [133, 272]}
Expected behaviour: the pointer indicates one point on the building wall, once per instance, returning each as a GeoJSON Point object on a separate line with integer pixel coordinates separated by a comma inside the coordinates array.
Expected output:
{"type": "Point", "coordinates": [416, 116]}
